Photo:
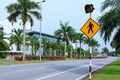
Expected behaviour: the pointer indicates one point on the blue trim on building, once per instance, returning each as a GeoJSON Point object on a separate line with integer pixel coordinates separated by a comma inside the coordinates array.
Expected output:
{"type": "Point", "coordinates": [43, 35]}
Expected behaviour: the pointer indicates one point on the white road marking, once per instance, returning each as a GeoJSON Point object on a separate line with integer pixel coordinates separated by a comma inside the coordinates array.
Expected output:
{"type": "Point", "coordinates": [81, 77]}
{"type": "Point", "coordinates": [57, 73]}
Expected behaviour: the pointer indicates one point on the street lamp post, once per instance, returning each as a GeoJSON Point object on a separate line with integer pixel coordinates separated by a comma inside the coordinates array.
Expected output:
{"type": "Point", "coordinates": [40, 30]}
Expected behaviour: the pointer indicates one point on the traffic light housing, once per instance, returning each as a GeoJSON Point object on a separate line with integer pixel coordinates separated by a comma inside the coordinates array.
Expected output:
{"type": "Point", "coordinates": [89, 8]}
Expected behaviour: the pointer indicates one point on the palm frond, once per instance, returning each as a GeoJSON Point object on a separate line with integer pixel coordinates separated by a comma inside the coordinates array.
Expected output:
{"type": "Point", "coordinates": [35, 14]}
{"type": "Point", "coordinates": [31, 20]}
{"type": "Point", "coordinates": [13, 16]}
{"type": "Point", "coordinates": [13, 8]}
{"type": "Point", "coordinates": [110, 3]}
{"type": "Point", "coordinates": [58, 32]}
{"type": "Point", "coordinates": [109, 23]}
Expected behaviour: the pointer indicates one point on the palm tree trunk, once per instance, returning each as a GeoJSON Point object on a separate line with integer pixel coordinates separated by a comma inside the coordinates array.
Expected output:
{"type": "Point", "coordinates": [65, 49]}
{"type": "Point", "coordinates": [71, 52]}
{"type": "Point", "coordinates": [80, 49]}
{"type": "Point", "coordinates": [17, 47]}
{"type": "Point", "coordinates": [23, 41]}
{"type": "Point", "coordinates": [32, 51]}
{"type": "Point", "coordinates": [35, 50]}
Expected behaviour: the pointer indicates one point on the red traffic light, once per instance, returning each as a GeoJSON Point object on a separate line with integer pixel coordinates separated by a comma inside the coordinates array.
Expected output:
{"type": "Point", "coordinates": [89, 8]}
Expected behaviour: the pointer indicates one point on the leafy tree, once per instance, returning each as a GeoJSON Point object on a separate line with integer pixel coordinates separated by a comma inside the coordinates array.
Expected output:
{"type": "Point", "coordinates": [24, 10]}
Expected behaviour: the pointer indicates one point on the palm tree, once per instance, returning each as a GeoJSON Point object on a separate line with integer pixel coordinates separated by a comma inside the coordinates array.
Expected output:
{"type": "Point", "coordinates": [76, 43]}
{"type": "Point", "coordinates": [95, 46]}
{"type": "Point", "coordinates": [55, 47]}
{"type": "Point", "coordinates": [105, 50]}
{"type": "Point", "coordinates": [81, 38]}
{"type": "Point", "coordinates": [65, 28]}
{"type": "Point", "coordinates": [17, 38]}
{"type": "Point", "coordinates": [44, 42]}
{"type": "Point", "coordinates": [24, 10]}
{"type": "Point", "coordinates": [4, 46]}
{"type": "Point", "coordinates": [116, 42]}
{"type": "Point", "coordinates": [95, 43]}
{"type": "Point", "coordinates": [1, 32]}
{"type": "Point", "coordinates": [61, 49]}
{"type": "Point", "coordinates": [72, 37]}
{"type": "Point", "coordinates": [34, 42]}
{"type": "Point", "coordinates": [110, 20]}
{"type": "Point", "coordinates": [86, 41]}
{"type": "Point", "coordinates": [49, 45]}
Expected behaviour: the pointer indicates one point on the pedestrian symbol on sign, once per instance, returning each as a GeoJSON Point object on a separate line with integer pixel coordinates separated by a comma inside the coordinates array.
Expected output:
{"type": "Point", "coordinates": [90, 27]}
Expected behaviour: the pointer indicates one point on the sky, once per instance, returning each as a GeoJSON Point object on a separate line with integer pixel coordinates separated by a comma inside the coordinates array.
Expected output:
{"type": "Point", "coordinates": [54, 11]}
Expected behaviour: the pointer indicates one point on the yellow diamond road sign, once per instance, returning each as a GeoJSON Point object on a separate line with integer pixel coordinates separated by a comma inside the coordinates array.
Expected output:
{"type": "Point", "coordinates": [90, 28]}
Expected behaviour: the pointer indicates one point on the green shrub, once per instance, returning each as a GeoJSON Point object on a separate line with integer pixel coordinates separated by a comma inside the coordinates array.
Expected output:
{"type": "Point", "coordinates": [3, 55]}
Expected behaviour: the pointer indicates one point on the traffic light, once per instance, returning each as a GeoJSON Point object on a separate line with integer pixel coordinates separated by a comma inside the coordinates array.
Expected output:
{"type": "Point", "coordinates": [89, 8]}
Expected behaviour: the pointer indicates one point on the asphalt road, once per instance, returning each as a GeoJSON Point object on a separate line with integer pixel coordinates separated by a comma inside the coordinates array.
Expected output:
{"type": "Point", "coordinates": [60, 70]}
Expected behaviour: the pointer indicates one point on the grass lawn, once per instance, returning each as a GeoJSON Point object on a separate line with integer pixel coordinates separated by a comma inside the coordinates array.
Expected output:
{"type": "Point", "coordinates": [22, 62]}
{"type": "Point", "coordinates": [28, 61]}
{"type": "Point", "coordinates": [110, 72]}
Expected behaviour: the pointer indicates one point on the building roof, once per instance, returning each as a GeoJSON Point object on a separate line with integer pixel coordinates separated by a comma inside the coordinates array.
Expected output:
{"type": "Point", "coordinates": [31, 32]}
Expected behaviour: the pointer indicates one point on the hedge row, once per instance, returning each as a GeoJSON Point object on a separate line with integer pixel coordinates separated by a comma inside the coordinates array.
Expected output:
{"type": "Point", "coordinates": [32, 57]}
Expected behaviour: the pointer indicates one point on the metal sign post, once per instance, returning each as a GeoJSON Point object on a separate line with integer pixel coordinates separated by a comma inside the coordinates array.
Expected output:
{"type": "Point", "coordinates": [90, 59]}
{"type": "Point", "coordinates": [90, 28]}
